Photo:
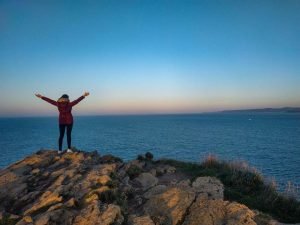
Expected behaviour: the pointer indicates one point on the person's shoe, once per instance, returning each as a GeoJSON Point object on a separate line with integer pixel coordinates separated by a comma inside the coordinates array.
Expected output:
{"type": "Point", "coordinates": [59, 152]}
{"type": "Point", "coordinates": [69, 150]}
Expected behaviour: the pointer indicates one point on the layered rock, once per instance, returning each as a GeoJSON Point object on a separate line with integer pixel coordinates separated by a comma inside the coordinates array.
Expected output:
{"type": "Point", "coordinates": [218, 212]}
{"type": "Point", "coordinates": [84, 188]}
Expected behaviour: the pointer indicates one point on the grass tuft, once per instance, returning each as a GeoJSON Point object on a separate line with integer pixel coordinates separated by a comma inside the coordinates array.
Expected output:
{"type": "Point", "coordinates": [133, 171]}
{"type": "Point", "coordinates": [6, 220]}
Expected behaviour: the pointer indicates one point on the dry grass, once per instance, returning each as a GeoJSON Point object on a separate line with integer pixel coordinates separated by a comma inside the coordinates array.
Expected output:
{"type": "Point", "coordinates": [291, 190]}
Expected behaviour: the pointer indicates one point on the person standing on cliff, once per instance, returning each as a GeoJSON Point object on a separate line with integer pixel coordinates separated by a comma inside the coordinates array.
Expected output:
{"type": "Point", "coordinates": [65, 116]}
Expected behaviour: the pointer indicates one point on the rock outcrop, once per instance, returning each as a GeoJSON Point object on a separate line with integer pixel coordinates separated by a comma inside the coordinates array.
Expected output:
{"type": "Point", "coordinates": [84, 188]}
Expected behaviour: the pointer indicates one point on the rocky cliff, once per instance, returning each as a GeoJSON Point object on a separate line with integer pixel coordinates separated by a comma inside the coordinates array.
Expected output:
{"type": "Point", "coordinates": [84, 188]}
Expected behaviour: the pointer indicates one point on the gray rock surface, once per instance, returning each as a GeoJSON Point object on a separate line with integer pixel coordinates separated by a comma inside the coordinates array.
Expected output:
{"type": "Point", "coordinates": [85, 189]}
{"type": "Point", "coordinates": [210, 185]}
{"type": "Point", "coordinates": [146, 180]}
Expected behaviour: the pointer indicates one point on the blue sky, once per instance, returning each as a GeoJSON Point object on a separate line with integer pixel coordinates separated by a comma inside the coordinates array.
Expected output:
{"type": "Point", "coordinates": [149, 56]}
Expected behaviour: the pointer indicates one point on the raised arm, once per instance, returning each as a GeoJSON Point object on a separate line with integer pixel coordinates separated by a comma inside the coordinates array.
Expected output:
{"type": "Point", "coordinates": [46, 99]}
{"type": "Point", "coordinates": [79, 99]}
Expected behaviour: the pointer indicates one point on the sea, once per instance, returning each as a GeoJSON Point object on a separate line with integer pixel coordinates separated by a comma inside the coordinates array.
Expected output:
{"type": "Point", "coordinates": [269, 142]}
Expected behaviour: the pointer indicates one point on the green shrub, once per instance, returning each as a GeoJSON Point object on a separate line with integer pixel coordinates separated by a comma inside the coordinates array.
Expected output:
{"type": "Point", "coordinates": [7, 221]}
{"type": "Point", "coordinates": [140, 157]}
{"type": "Point", "coordinates": [149, 156]}
{"type": "Point", "coordinates": [133, 171]}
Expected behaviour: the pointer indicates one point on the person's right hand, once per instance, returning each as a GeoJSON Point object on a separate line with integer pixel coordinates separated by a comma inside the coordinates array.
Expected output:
{"type": "Point", "coordinates": [38, 95]}
{"type": "Point", "coordinates": [86, 94]}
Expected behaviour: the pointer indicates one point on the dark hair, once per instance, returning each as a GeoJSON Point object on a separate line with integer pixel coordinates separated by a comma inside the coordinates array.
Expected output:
{"type": "Point", "coordinates": [64, 96]}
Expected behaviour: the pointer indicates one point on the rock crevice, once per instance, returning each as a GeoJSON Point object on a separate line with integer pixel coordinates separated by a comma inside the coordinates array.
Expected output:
{"type": "Point", "coordinates": [85, 188]}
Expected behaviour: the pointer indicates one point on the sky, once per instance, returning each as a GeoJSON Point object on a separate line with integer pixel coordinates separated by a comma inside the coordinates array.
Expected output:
{"type": "Point", "coordinates": [149, 56]}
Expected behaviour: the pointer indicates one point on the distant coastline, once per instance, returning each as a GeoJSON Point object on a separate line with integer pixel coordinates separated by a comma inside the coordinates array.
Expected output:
{"type": "Point", "coordinates": [266, 110]}
{"type": "Point", "coordinates": [254, 110]}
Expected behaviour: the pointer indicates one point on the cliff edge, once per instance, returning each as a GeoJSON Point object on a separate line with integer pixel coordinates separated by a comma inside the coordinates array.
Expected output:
{"type": "Point", "coordinates": [84, 188]}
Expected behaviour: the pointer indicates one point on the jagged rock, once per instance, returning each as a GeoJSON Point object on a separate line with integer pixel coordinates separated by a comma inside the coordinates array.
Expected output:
{"type": "Point", "coordinates": [91, 198]}
{"type": "Point", "coordinates": [55, 217]}
{"type": "Point", "coordinates": [218, 212]}
{"type": "Point", "coordinates": [137, 163]}
{"type": "Point", "coordinates": [94, 215]}
{"type": "Point", "coordinates": [11, 184]}
{"type": "Point", "coordinates": [140, 220]}
{"type": "Point", "coordinates": [110, 159]}
{"type": "Point", "coordinates": [146, 180]}
{"type": "Point", "coordinates": [35, 171]}
{"type": "Point", "coordinates": [170, 169]}
{"type": "Point", "coordinates": [71, 203]}
{"type": "Point", "coordinates": [158, 189]}
{"type": "Point", "coordinates": [169, 207]}
{"type": "Point", "coordinates": [89, 215]}
{"type": "Point", "coordinates": [47, 199]}
{"type": "Point", "coordinates": [184, 183]}
{"type": "Point", "coordinates": [112, 215]}
{"type": "Point", "coordinates": [99, 190]}
{"type": "Point", "coordinates": [162, 169]}
{"type": "Point", "coordinates": [210, 185]}
{"type": "Point", "coordinates": [107, 169]}
{"type": "Point", "coordinates": [54, 207]}
{"type": "Point", "coordinates": [153, 172]}
{"type": "Point", "coordinates": [84, 188]}
{"type": "Point", "coordinates": [274, 222]}
{"type": "Point", "coordinates": [104, 179]}
{"type": "Point", "coordinates": [26, 220]}
{"type": "Point", "coordinates": [125, 180]}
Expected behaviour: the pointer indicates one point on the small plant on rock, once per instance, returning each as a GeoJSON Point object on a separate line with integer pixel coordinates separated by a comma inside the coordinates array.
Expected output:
{"type": "Point", "coordinates": [133, 171]}
{"type": "Point", "coordinates": [6, 220]}
{"type": "Point", "coordinates": [149, 156]}
{"type": "Point", "coordinates": [140, 158]}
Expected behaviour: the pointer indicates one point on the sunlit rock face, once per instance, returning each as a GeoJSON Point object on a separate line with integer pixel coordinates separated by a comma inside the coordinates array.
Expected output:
{"type": "Point", "coordinates": [83, 188]}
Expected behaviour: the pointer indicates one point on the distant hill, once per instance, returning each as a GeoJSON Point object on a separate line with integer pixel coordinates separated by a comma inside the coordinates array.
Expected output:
{"type": "Point", "coordinates": [283, 109]}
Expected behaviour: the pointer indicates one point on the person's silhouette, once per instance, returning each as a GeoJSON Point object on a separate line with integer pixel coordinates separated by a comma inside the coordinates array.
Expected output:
{"type": "Point", "coordinates": [65, 116]}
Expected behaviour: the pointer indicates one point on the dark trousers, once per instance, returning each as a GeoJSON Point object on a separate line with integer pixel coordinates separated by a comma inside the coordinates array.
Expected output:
{"type": "Point", "coordinates": [62, 128]}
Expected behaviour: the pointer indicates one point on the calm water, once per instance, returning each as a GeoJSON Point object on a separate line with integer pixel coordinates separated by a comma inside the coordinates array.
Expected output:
{"type": "Point", "coordinates": [270, 141]}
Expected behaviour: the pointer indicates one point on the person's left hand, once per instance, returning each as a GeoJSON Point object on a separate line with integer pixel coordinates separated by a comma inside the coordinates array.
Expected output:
{"type": "Point", "coordinates": [38, 95]}
{"type": "Point", "coordinates": [86, 94]}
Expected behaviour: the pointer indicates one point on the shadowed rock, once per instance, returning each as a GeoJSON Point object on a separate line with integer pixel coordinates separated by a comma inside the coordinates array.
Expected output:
{"type": "Point", "coordinates": [84, 188]}
{"type": "Point", "coordinates": [218, 212]}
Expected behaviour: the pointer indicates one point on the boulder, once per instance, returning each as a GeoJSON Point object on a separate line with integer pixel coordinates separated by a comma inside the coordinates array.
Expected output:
{"type": "Point", "coordinates": [158, 189]}
{"type": "Point", "coordinates": [210, 185]}
{"type": "Point", "coordinates": [218, 212]}
{"type": "Point", "coordinates": [146, 180]}
{"type": "Point", "coordinates": [169, 207]}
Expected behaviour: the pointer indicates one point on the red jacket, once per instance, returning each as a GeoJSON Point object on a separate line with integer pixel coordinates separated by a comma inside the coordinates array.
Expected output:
{"type": "Point", "coordinates": [64, 108]}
